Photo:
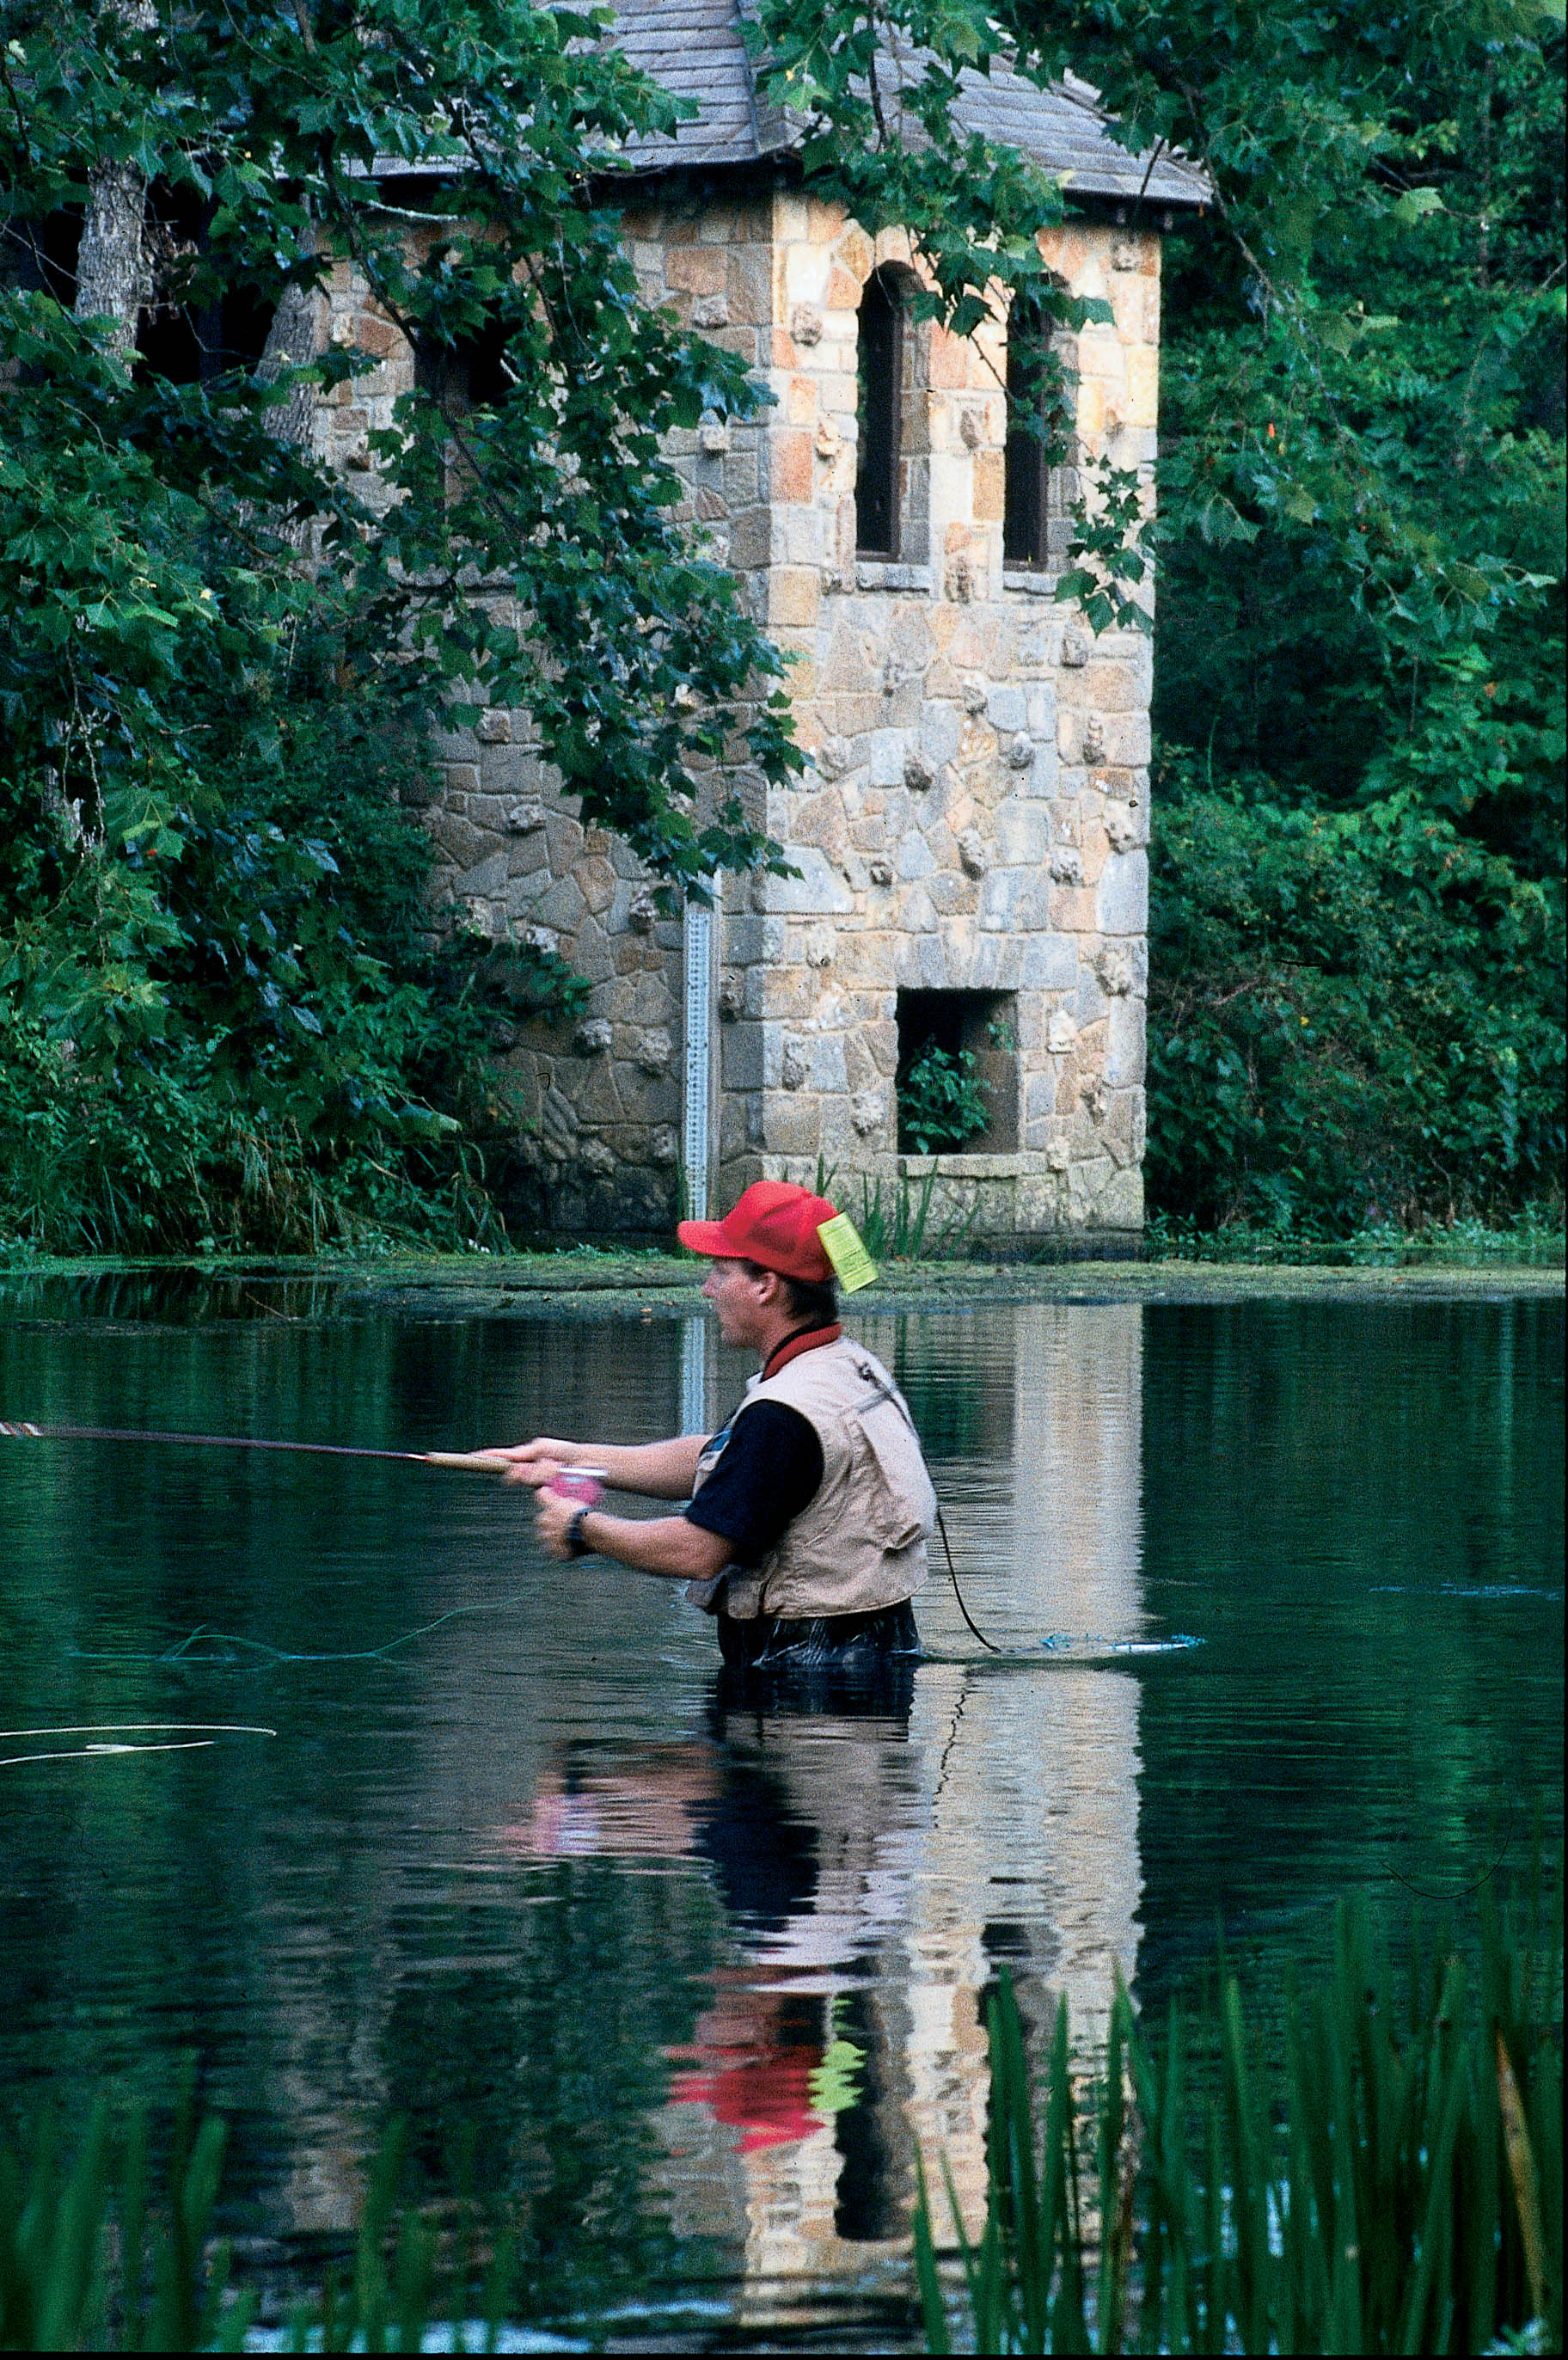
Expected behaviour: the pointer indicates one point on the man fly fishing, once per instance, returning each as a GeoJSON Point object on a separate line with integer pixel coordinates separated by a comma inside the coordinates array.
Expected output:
{"type": "Point", "coordinates": [806, 1515]}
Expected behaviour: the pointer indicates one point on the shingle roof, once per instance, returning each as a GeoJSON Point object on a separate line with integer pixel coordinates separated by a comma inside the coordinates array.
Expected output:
{"type": "Point", "coordinates": [696, 49]}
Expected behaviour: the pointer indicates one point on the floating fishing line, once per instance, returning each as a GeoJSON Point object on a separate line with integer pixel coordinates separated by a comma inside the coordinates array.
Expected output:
{"type": "Point", "coordinates": [193, 1744]}
{"type": "Point", "coordinates": [97, 1752]}
{"type": "Point", "coordinates": [181, 1652]}
{"type": "Point", "coordinates": [129, 1728]}
{"type": "Point", "coordinates": [484, 1462]}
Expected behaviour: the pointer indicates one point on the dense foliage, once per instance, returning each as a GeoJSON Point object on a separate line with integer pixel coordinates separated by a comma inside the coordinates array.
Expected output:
{"type": "Point", "coordinates": [1356, 953]}
{"type": "Point", "coordinates": [219, 659]}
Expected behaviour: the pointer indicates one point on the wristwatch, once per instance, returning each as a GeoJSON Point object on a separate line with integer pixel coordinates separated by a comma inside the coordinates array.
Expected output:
{"type": "Point", "coordinates": [575, 1544]}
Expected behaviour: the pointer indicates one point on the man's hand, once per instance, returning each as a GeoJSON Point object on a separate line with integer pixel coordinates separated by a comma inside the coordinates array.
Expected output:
{"type": "Point", "coordinates": [539, 1462]}
{"type": "Point", "coordinates": [554, 1516]}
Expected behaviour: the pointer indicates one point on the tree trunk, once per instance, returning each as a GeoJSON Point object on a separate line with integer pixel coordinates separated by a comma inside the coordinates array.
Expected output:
{"type": "Point", "coordinates": [291, 343]}
{"type": "Point", "coordinates": [111, 262]}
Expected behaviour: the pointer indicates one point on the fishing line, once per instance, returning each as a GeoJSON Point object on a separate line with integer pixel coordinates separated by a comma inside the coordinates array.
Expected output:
{"type": "Point", "coordinates": [98, 1752]}
{"type": "Point", "coordinates": [195, 1743]}
{"type": "Point", "coordinates": [129, 1728]}
{"type": "Point", "coordinates": [181, 1652]}
{"type": "Point", "coordinates": [481, 1462]}
{"type": "Point", "coordinates": [947, 1547]}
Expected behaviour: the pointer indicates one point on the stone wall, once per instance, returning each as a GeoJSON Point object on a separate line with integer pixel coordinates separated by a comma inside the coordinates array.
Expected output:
{"type": "Point", "coordinates": [976, 812]}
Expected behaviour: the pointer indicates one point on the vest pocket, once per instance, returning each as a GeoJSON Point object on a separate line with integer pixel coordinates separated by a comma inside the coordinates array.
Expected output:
{"type": "Point", "coordinates": [906, 1509]}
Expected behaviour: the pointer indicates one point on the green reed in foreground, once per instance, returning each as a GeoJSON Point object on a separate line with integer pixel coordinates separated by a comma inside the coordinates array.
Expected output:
{"type": "Point", "coordinates": [90, 2262]}
{"type": "Point", "coordinates": [1388, 2187]}
{"type": "Point", "coordinates": [1386, 2183]}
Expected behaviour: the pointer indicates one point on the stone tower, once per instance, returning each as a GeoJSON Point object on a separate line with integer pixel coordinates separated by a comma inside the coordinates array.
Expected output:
{"type": "Point", "coordinates": [970, 834]}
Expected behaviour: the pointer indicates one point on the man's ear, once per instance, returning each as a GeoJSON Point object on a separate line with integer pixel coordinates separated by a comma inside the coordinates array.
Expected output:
{"type": "Point", "coordinates": [770, 1288]}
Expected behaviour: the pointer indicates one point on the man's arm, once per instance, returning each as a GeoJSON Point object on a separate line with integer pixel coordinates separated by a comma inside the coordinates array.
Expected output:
{"type": "Point", "coordinates": [660, 1470]}
{"type": "Point", "coordinates": [666, 1545]}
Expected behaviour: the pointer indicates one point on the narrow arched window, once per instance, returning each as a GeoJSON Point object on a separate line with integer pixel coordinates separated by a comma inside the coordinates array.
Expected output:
{"type": "Point", "coordinates": [879, 404]}
{"type": "Point", "coordinates": [1030, 378]}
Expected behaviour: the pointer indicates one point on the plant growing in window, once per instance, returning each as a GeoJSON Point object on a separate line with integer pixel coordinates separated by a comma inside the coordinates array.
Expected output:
{"type": "Point", "coordinates": [942, 1101]}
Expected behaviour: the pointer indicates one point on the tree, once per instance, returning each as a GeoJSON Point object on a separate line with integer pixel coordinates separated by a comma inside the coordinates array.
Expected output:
{"type": "Point", "coordinates": [221, 656]}
{"type": "Point", "coordinates": [1357, 951]}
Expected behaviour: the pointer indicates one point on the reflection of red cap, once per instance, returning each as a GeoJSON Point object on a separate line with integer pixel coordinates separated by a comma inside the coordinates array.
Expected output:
{"type": "Point", "coordinates": [775, 1224]}
{"type": "Point", "coordinates": [767, 2097]}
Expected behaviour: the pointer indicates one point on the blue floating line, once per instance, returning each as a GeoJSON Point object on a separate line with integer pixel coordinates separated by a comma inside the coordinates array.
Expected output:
{"type": "Point", "coordinates": [181, 1653]}
{"type": "Point", "coordinates": [1062, 1642]}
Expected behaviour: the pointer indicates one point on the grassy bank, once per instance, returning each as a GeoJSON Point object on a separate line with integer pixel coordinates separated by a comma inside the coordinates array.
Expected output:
{"type": "Point", "coordinates": [591, 1281]}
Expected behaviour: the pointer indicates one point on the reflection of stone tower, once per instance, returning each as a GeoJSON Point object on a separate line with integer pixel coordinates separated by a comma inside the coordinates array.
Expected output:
{"type": "Point", "coordinates": [1034, 1841]}
{"type": "Point", "coordinates": [1008, 1832]}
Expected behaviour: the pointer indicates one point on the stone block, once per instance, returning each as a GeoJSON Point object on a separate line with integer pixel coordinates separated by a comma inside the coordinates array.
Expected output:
{"type": "Point", "coordinates": [743, 940]}
{"type": "Point", "coordinates": [1126, 1043]}
{"type": "Point", "coordinates": [562, 906]}
{"type": "Point", "coordinates": [487, 877]}
{"type": "Point", "coordinates": [740, 1056]}
{"type": "Point", "coordinates": [999, 895]}
{"type": "Point", "coordinates": [941, 731]}
{"type": "Point", "coordinates": [819, 890]}
{"type": "Point", "coordinates": [1049, 963]}
{"type": "Point", "coordinates": [1023, 833]}
{"type": "Point", "coordinates": [565, 838]}
{"type": "Point", "coordinates": [827, 1066]}
{"type": "Point", "coordinates": [592, 955]}
{"type": "Point", "coordinates": [1142, 399]}
{"type": "Point", "coordinates": [792, 1126]}
{"type": "Point", "coordinates": [989, 483]}
{"type": "Point", "coordinates": [751, 536]}
{"type": "Point", "coordinates": [1121, 897]}
{"type": "Point", "coordinates": [1118, 1202]}
{"type": "Point", "coordinates": [795, 597]}
{"type": "Point", "coordinates": [790, 462]}
{"type": "Point", "coordinates": [888, 747]}
{"type": "Point", "coordinates": [694, 269]}
{"type": "Point", "coordinates": [462, 842]}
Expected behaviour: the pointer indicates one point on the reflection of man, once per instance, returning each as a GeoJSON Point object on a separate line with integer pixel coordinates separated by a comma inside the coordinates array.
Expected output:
{"type": "Point", "coordinates": [811, 1827]}
{"type": "Point", "coordinates": [807, 1513]}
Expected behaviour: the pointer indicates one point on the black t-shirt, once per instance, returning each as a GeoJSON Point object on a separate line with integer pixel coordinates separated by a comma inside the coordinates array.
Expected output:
{"type": "Point", "coordinates": [769, 1468]}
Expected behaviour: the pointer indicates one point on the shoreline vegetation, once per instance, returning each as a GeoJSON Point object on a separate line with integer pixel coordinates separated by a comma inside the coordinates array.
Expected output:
{"type": "Point", "coordinates": [1170, 1264]}
{"type": "Point", "coordinates": [1379, 2168]}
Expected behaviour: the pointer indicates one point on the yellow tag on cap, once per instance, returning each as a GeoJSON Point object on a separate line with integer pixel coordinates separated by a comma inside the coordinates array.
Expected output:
{"type": "Point", "coordinates": [842, 1245]}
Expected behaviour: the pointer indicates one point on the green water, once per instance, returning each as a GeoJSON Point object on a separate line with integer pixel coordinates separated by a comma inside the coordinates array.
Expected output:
{"type": "Point", "coordinates": [697, 1981]}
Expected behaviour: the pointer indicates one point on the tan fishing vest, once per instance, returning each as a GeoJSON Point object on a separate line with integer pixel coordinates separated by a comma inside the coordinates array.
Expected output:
{"type": "Point", "coordinates": [860, 1542]}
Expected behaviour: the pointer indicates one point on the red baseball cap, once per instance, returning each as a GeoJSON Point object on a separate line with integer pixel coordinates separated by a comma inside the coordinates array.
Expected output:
{"type": "Point", "coordinates": [773, 1224]}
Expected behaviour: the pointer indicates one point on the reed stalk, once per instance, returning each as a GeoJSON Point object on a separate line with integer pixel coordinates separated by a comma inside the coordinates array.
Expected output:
{"type": "Point", "coordinates": [1381, 2183]}
{"type": "Point", "coordinates": [1377, 2187]}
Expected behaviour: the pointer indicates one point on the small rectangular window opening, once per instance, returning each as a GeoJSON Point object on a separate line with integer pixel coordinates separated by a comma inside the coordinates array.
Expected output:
{"type": "Point", "coordinates": [469, 375]}
{"type": "Point", "coordinates": [975, 1036]}
{"type": "Point", "coordinates": [1026, 504]}
{"type": "Point", "coordinates": [879, 400]}
{"type": "Point", "coordinates": [460, 377]}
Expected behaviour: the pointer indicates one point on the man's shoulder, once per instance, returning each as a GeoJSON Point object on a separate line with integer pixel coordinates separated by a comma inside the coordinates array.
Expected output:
{"type": "Point", "coordinates": [840, 1371]}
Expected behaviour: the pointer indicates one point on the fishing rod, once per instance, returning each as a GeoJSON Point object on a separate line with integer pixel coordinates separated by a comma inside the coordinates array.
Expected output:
{"type": "Point", "coordinates": [474, 1462]}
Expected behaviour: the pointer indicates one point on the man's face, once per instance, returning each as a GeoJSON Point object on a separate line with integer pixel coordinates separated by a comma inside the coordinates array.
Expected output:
{"type": "Point", "coordinates": [740, 1301]}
